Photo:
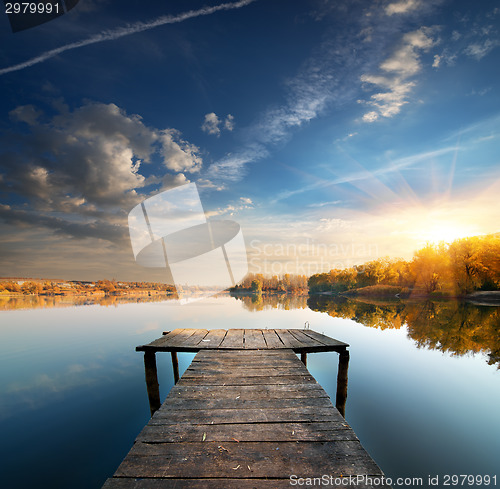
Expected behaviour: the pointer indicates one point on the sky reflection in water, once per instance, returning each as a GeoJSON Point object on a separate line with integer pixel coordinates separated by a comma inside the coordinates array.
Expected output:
{"type": "Point", "coordinates": [73, 396]}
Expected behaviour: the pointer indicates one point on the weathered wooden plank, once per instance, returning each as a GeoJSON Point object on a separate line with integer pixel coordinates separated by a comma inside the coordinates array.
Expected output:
{"type": "Point", "coordinates": [162, 340]}
{"type": "Point", "coordinates": [326, 340]}
{"type": "Point", "coordinates": [174, 483]}
{"type": "Point", "coordinates": [239, 380]}
{"type": "Point", "coordinates": [300, 340]}
{"type": "Point", "coordinates": [237, 361]}
{"type": "Point", "coordinates": [213, 339]}
{"type": "Point", "coordinates": [243, 362]}
{"type": "Point", "coordinates": [269, 391]}
{"type": "Point", "coordinates": [187, 337]}
{"type": "Point", "coordinates": [253, 339]}
{"type": "Point", "coordinates": [288, 339]}
{"type": "Point", "coordinates": [173, 333]}
{"type": "Point", "coordinates": [233, 339]}
{"type": "Point", "coordinates": [235, 352]}
{"type": "Point", "coordinates": [231, 369]}
{"type": "Point", "coordinates": [233, 416]}
{"type": "Point", "coordinates": [195, 339]}
{"type": "Point", "coordinates": [237, 402]}
{"type": "Point", "coordinates": [265, 459]}
{"type": "Point", "coordinates": [248, 371]}
{"type": "Point", "coordinates": [276, 432]}
{"type": "Point", "coordinates": [240, 356]}
{"type": "Point", "coordinates": [305, 340]}
{"type": "Point", "coordinates": [272, 339]}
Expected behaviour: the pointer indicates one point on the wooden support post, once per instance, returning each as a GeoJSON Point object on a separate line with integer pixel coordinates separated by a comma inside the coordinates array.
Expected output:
{"type": "Point", "coordinates": [152, 381]}
{"type": "Point", "coordinates": [175, 366]}
{"type": "Point", "coordinates": [303, 357]}
{"type": "Point", "coordinates": [342, 382]}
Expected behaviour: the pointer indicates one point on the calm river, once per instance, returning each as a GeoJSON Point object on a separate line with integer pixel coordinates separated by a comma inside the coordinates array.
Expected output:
{"type": "Point", "coordinates": [423, 393]}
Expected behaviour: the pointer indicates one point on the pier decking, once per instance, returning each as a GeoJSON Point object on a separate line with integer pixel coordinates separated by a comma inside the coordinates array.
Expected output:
{"type": "Point", "coordinates": [299, 340]}
{"type": "Point", "coordinates": [245, 414]}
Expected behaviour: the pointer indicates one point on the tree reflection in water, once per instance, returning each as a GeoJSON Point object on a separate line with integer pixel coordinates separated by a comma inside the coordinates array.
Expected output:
{"type": "Point", "coordinates": [261, 302]}
{"type": "Point", "coordinates": [9, 303]}
{"type": "Point", "coordinates": [449, 326]}
{"type": "Point", "coordinates": [455, 327]}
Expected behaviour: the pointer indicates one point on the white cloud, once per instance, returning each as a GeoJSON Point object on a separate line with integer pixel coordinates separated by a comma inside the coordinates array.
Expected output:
{"type": "Point", "coordinates": [92, 154]}
{"type": "Point", "coordinates": [331, 76]}
{"type": "Point", "coordinates": [398, 70]}
{"type": "Point", "coordinates": [169, 181]}
{"type": "Point", "coordinates": [179, 155]}
{"type": "Point", "coordinates": [402, 7]}
{"type": "Point", "coordinates": [345, 138]}
{"type": "Point", "coordinates": [371, 116]}
{"type": "Point", "coordinates": [232, 166]}
{"type": "Point", "coordinates": [481, 92]}
{"type": "Point", "coordinates": [80, 170]}
{"type": "Point", "coordinates": [477, 38]}
{"type": "Point", "coordinates": [479, 50]}
{"type": "Point", "coordinates": [315, 87]}
{"type": "Point", "coordinates": [437, 61]}
{"type": "Point", "coordinates": [212, 124]}
{"type": "Point", "coordinates": [405, 61]}
{"type": "Point", "coordinates": [323, 204]}
{"type": "Point", "coordinates": [206, 183]}
{"type": "Point", "coordinates": [229, 122]}
{"type": "Point", "coordinates": [231, 209]}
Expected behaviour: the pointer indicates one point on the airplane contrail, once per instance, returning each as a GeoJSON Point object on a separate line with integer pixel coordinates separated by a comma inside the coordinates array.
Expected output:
{"type": "Point", "coordinates": [126, 31]}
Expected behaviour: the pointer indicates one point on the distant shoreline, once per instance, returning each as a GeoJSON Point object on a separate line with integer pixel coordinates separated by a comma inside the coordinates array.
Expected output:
{"type": "Point", "coordinates": [96, 293]}
{"type": "Point", "coordinates": [22, 287]}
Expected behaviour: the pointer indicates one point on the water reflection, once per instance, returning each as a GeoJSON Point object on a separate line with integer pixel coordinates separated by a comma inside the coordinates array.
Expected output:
{"type": "Point", "coordinates": [261, 302]}
{"type": "Point", "coordinates": [8, 303]}
{"type": "Point", "coordinates": [449, 326]}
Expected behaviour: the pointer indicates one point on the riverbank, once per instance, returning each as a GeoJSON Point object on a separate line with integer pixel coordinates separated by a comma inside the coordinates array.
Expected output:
{"type": "Point", "coordinates": [392, 292]}
{"type": "Point", "coordinates": [18, 287]}
{"type": "Point", "coordinates": [250, 293]}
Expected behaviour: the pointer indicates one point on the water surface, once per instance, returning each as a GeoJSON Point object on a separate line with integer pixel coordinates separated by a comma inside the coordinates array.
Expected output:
{"type": "Point", "coordinates": [423, 390]}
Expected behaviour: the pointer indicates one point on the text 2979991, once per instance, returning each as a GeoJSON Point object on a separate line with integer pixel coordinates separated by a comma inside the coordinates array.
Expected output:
{"type": "Point", "coordinates": [32, 8]}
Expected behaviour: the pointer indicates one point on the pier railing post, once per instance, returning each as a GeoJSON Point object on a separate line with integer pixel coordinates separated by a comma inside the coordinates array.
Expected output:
{"type": "Point", "coordinates": [152, 381]}
{"type": "Point", "coordinates": [175, 366]}
{"type": "Point", "coordinates": [342, 382]}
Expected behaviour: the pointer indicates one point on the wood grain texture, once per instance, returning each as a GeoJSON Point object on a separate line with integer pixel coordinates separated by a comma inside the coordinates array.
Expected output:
{"type": "Point", "coordinates": [233, 339]}
{"type": "Point", "coordinates": [212, 483]}
{"type": "Point", "coordinates": [232, 459]}
{"type": "Point", "coordinates": [244, 419]}
{"type": "Point", "coordinates": [300, 341]}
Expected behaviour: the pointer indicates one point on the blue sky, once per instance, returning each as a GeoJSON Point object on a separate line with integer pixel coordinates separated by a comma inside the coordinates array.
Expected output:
{"type": "Point", "coordinates": [333, 132]}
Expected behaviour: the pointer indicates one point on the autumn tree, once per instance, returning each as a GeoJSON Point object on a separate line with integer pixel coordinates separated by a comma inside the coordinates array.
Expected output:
{"type": "Point", "coordinates": [430, 266]}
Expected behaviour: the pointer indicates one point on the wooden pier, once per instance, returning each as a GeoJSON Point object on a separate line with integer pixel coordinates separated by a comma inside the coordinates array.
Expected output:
{"type": "Point", "coordinates": [245, 414]}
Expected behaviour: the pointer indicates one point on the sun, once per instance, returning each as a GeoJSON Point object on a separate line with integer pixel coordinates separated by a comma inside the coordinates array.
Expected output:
{"type": "Point", "coordinates": [445, 223]}
{"type": "Point", "coordinates": [445, 232]}
{"type": "Point", "coordinates": [434, 224]}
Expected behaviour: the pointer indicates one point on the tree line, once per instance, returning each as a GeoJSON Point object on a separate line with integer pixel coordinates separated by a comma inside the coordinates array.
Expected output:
{"type": "Point", "coordinates": [48, 287]}
{"type": "Point", "coordinates": [258, 283]}
{"type": "Point", "coordinates": [456, 269]}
